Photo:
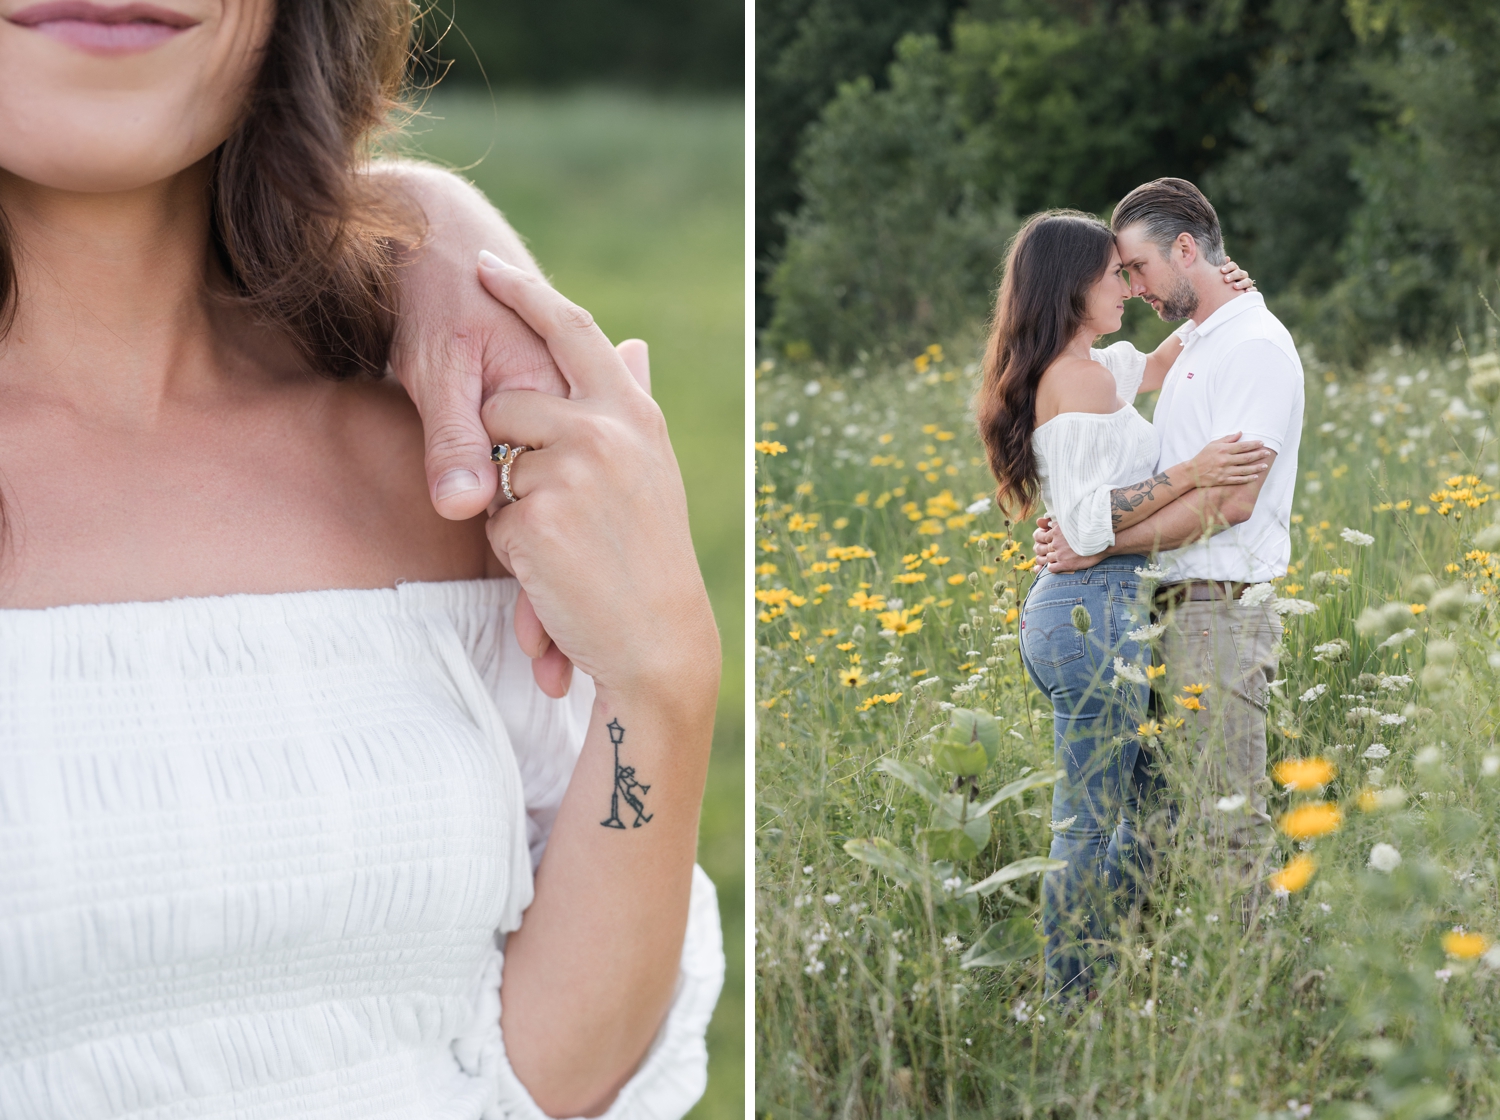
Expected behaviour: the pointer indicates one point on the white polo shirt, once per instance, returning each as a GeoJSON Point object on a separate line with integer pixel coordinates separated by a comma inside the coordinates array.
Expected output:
{"type": "Point", "coordinates": [1238, 372]}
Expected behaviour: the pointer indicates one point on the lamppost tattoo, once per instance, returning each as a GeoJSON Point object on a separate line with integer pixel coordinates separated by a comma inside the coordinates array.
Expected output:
{"type": "Point", "coordinates": [625, 786]}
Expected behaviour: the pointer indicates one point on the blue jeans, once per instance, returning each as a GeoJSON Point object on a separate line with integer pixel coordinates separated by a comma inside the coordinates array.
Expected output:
{"type": "Point", "coordinates": [1096, 744]}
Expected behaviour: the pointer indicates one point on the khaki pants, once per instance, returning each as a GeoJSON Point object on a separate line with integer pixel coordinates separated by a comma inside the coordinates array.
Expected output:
{"type": "Point", "coordinates": [1232, 648]}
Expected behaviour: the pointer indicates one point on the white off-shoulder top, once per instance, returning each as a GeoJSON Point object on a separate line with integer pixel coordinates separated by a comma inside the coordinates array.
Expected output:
{"type": "Point", "coordinates": [1082, 456]}
{"type": "Point", "coordinates": [259, 854]}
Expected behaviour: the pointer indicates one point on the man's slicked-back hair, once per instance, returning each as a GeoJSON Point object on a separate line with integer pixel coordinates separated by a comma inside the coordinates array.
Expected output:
{"type": "Point", "coordinates": [1166, 208]}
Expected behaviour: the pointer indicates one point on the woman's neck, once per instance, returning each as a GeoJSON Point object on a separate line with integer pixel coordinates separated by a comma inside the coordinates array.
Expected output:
{"type": "Point", "coordinates": [111, 306]}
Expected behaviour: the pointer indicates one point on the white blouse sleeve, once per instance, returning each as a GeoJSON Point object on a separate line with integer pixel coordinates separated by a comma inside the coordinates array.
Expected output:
{"type": "Point", "coordinates": [1128, 366]}
{"type": "Point", "coordinates": [547, 738]}
{"type": "Point", "coordinates": [1073, 461]}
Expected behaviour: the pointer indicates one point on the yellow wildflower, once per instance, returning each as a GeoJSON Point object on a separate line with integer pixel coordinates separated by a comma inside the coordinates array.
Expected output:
{"type": "Point", "coordinates": [1308, 821]}
{"type": "Point", "coordinates": [1154, 671]}
{"type": "Point", "coordinates": [770, 446]}
{"type": "Point", "coordinates": [1295, 875]}
{"type": "Point", "coordinates": [1191, 703]}
{"type": "Point", "coordinates": [852, 677]}
{"type": "Point", "coordinates": [1304, 773]}
{"type": "Point", "coordinates": [866, 602]}
{"type": "Point", "coordinates": [1196, 689]}
{"type": "Point", "coordinates": [1464, 945]}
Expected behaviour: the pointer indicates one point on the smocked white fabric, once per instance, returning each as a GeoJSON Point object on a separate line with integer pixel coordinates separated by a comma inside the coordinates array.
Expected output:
{"type": "Point", "coordinates": [1082, 456]}
{"type": "Point", "coordinates": [257, 854]}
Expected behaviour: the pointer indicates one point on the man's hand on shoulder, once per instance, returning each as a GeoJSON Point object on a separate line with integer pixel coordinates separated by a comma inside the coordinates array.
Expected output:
{"type": "Point", "coordinates": [455, 344]}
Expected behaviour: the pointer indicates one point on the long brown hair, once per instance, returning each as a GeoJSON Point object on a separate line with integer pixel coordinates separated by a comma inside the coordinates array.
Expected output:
{"type": "Point", "coordinates": [307, 242]}
{"type": "Point", "coordinates": [1052, 262]}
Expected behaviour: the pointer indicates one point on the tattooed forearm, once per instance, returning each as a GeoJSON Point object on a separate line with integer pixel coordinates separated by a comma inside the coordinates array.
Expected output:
{"type": "Point", "coordinates": [1128, 498]}
{"type": "Point", "coordinates": [625, 786]}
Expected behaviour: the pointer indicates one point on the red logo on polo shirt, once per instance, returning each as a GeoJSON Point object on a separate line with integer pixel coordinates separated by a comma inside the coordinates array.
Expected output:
{"type": "Point", "coordinates": [1190, 376]}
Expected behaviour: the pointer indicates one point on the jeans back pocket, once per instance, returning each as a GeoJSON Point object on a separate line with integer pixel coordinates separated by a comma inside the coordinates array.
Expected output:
{"type": "Point", "coordinates": [1048, 635]}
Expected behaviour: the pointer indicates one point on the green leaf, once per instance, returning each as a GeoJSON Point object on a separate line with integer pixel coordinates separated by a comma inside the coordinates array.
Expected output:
{"type": "Point", "coordinates": [885, 856]}
{"type": "Point", "coordinates": [958, 756]}
{"type": "Point", "coordinates": [1014, 939]}
{"type": "Point", "coordinates": [948, 844]}
{"type": "Point", "coordinates": [955, 813]}
{"type": "Point", "coordinates": [1031, 865]}
{"type": "Point", "coordinates": [913, 776]}
{"type": "Point", "coordinates": [975, 728]}
{"type": "Point", "coordinates": [1020, 786]}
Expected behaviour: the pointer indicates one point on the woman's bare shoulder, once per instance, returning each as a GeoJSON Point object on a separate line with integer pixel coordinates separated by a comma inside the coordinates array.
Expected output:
{"type": "Point", "coordinates": [1076, 385]}
{"type": "Point", "coordinates": [380, 432]}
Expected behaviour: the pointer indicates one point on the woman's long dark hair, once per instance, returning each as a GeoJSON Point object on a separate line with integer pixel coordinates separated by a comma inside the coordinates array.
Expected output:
{"type": "Point", "coordinates": [1052, 262]}
{"type": "Point", "coordinates": [307, 241]}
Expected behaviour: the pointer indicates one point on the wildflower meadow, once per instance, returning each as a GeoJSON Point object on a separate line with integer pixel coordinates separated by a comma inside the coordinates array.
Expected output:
{"type": "Point", "coordinates": [904, 769]}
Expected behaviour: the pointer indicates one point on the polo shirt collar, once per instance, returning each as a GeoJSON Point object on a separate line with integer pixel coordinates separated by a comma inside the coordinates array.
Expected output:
{"type": "Point", "coordinates": [1237, 306]}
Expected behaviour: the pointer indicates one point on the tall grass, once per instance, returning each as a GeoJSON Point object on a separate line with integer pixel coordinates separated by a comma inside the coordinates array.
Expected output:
{"type": "Point", "coordinates": [1365, 988]}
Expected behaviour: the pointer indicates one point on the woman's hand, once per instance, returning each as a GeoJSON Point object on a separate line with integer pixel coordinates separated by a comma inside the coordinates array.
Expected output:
{"type": "Point", "coordinates": [1236, 276]}
{"type": "Point", "coordinates": [599, 534]}
{"type": "Point", "coordinates": [1228, 461]}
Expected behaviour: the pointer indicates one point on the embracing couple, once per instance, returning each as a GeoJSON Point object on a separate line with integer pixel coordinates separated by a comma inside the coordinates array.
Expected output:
{"type": "Point", "coordinates": [1207, 486]}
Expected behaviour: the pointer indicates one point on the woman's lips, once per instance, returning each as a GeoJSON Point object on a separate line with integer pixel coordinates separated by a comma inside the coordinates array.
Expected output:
{"type": "Point", "coordinates": [104, 30]}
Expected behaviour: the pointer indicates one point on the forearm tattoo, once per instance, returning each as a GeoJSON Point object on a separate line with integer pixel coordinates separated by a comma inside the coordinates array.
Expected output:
{"type": "Point", "coordinates": [1128, 498]}
{"type": "Point", "coordinates": [625, 786]}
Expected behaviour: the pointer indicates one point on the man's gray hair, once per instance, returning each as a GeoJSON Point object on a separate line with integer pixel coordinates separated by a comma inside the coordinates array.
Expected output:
{"type": "Point", "coordinates": [1166, 208]}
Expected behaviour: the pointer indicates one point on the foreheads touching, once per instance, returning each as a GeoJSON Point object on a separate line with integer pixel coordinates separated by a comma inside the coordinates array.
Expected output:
{"type": "Point", "coordinates": [1166, 230]}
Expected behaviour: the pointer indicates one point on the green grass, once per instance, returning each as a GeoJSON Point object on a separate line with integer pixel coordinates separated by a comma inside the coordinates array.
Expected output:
{"type": "Point", "coordinates": [1343, 999]}
{"type": "Point", "coordinates": [635, 208]}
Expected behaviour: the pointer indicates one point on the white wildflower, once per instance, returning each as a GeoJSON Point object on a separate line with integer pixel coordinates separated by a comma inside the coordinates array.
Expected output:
{"type": "Point", "coordinates": [895, 604]}
{"type": "Point", "coordinates": [1146, 633]}
{"type": "Point", "coordinates": [814, 968]}
{"type": "Point", "coordinates": [1294, 607]}
{"type": "Point", "coordinates": [1313, 693]}
{"type": "Point", "coordinates": [1343, 746]}
{"type": "Point", "coordinates": [1490, 766]}
{"type": "Point", "coordinates": [1145, 954]}
{"type": "Point", "coordinates": [1149, 1009]}
{"type": "Point", "coordinates": [1383, 857]}
{"type": "Point", "coordinates": [1377, 750]}
{"type": "Point", "coordinates": [1127, 672]}
{"type": "Point", "coordinates": [1391, 719]}
{"type": "Point", "coordinates": [952, 884]}
{"type": "Point", "coordinates": [1362, 713]}
{"type": "Point", "coordinates": [1232, 803]}
{"type": "Point", "coordinates": [1258, 594]}
{"type": "Point", "coordinates": [832, 899]}
{"type": "Point", "coordinates": [929, 680]}
{"type": "Point", "coordinates": [1443, 975]}
{"type": "Point", "coordinates": [1151, 573]}
{"type": "Point", "coordinates": [1336, 650]}
{"type": "Point", "coordinates": [1396, 639]}
{"type": "Point", "coordinates": [1355, 537]}
{"type": "Point", "coordinates": [1021, 1011]}
{"type": "Point", "coordinates": [981, 506]}
{"type": "Point", "coordinates": [812, 388]}
{"type": "Point", "coordinates": [1058, 826]}
{"type": "Point", "coordinates": [952, 943]}
{"type": "Point", "coordinates": [1376, 775]}
{"type": "Point", "coordinates": [1428, 756]}
{"type": "Point", "coordinates": [807, 870]}
{"type": "Point", "coordinates": [1491, 957]}
{"type": "Point", "coordinates": [1394, 683]}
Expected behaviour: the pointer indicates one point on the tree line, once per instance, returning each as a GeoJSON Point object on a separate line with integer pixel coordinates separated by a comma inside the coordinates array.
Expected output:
{"type": "Point", "coordinates": [1352, 148]}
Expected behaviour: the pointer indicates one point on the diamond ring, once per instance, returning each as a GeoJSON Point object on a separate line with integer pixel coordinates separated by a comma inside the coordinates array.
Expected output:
{"type": "Point", "coordinates": [506, 455]}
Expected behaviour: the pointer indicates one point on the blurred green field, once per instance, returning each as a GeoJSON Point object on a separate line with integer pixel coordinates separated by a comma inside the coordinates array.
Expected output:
{"type": "Point", "coordinates": [634, 206]}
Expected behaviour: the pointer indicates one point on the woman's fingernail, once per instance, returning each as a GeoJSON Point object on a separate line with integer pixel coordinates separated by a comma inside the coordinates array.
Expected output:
{"type": "Point", "coordinates": [488, 259]}
{"type": "Point", "coordinates": [455, 483]}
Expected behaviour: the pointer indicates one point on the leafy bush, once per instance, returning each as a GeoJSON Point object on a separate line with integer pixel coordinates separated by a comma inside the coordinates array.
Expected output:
{"type": "Point", "coordinates": [894, 241]}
